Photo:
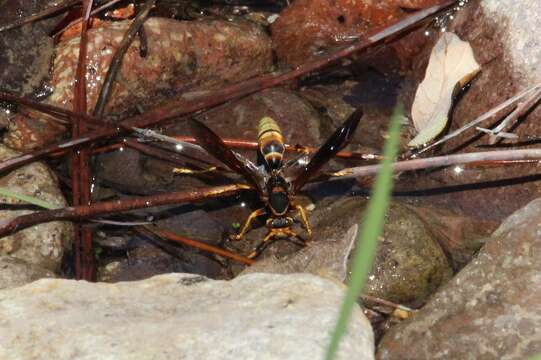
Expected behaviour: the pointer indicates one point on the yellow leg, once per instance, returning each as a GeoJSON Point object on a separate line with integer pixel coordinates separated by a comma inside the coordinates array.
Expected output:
{"type": "Point", "coordinates": [300, 209]}
{"type": "Point", "coordinates": [246, 226]}
{"type": "Point", "coordinates": [259, 248]}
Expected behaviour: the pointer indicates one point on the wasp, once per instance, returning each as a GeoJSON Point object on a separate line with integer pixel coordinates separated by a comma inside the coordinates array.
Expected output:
{"type": "Point", "coordinates": [276, 191]}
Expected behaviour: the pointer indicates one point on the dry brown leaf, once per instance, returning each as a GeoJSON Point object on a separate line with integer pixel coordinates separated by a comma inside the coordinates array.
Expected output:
{"type": "Point", "coordinates": [451, 63]}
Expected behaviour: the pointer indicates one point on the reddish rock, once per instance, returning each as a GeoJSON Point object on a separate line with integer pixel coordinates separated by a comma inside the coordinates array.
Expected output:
{"type": "Point", "coordinates": [308, 27]}
{"type": "Point", "coordinates": [182, 56]}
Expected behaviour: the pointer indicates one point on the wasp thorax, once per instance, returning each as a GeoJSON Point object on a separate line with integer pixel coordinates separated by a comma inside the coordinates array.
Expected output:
{"type": "Point", "coordinates": [271, 142]}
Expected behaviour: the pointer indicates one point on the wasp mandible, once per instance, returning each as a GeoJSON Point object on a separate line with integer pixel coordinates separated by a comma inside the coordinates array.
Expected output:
{"type": "Point", "coordinates": [276, 191]}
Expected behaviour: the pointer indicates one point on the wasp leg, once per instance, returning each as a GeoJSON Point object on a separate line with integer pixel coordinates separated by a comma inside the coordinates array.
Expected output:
{"type": "Point", "coordinates": [255, 253]}
{"type": "Point", "coordinates": [246, 226]}
{"type": "Point", "coordinates": [306, 225]}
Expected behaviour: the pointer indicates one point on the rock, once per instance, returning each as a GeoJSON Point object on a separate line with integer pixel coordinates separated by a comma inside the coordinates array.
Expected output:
{"type": "Point", "coordinates": [374, 92]}
{"type": "Point", "coordinates": [42, 245]}
{"type": "Point", "coordinates": [510, 57]}
{"type": "Point", "coordinates": [310, 27]}
{"type": "Point", "coordinates": [16, 272]}
{"type": "Point", "coordinates": [409, 266]}
{"type": "Point", "coordinates": [182, 57]}
{"type": "Point", "coordinates": [257, 316]}
{"type": "Point", "coordinates": [460, 237]}
{"type": "Point", "coordinates": [27, 51]}
{"type": "Point", "coordinates": [151, 257]}
{"type": "Point", "coordinates": [490, 310]}
{"type": "Point", "coordinates": [327, 259]}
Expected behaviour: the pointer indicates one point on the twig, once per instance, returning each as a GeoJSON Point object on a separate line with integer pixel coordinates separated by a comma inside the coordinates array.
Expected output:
{"type": "Point", "coordinates": [488, 115]}
{"type": "Point", "coordinates": [386, 303]}
{"type": "Point", "coordinates": [194, 243]}
{"type": "Point", "coordinates": [116, 62]}
{"type": "Point", "coordinates": [190, 103]}
{"type": "Point", "coordinates": [439, 161]}
{"type": "Point", "coordinates": [81, 212]}
{"type": "Point", "coordinates": [80, 171]}
{"type": "Point", "coordinates": [253, 145]}
{"type": "Point", "coordinates": [521, 109]}
{"type": "Point", "coordinates": [40, 15]}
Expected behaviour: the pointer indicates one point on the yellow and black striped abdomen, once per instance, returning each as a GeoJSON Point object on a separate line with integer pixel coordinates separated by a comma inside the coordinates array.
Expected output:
{"type": "Point", "coordinates": [271, 142]}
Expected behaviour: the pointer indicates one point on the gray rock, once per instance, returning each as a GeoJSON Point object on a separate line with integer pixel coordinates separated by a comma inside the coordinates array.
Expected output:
{"type": "Point", "coordinates": [409, 266]}
{"type": "Point", "coordinates": [179, 316]}
{"type": "Point", "coordinates": [42, 245]}
{"type": "Point", "coordinates": [490, 310]}
{"type": "Point", "coordinates": [15, 272]}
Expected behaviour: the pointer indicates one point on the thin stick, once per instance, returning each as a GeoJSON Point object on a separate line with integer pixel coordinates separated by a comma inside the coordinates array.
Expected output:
{"type": "Point", "coordinates": [488, 115]}
{"type": "Point", "coordinates": [80, 171]}
{"type": "Point", "coordinates": [385, 303]}
{"type": "Point", "coordinates": [81, 212]}
{"type": "Point", "coordinates": [116, 62]}
{"type": "Point", "coordinates": [194, 243]}
{"type": "Point", "coordinates": [521, 109]}
{"type": "Point", "coordinates": [439, 161]}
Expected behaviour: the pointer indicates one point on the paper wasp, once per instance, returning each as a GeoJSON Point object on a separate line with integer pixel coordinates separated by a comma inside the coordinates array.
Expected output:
{"type": "Point", "coordinates": [276, 191]}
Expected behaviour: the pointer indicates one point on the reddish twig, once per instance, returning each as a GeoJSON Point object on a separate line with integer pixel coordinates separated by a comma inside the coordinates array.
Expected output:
{"type": "Point", "coordinates": [80, 172]}
{"type": "Point", "coordinates": [82, 212]}
{"type": "Point", "coordinates": [194, 243]}
{"type": "Point", "coordinates": [190, 103]}
{"type": "Point", "coordinates": [253, 145]}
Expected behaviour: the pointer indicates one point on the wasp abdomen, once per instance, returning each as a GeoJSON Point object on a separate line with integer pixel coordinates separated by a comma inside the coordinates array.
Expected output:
{"type": "Point", "coordinates": [271, 142]}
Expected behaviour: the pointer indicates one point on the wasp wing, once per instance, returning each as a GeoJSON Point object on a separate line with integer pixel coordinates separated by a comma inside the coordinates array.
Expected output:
{"type": "Point", "coordinates": [335, 143]}
{"type": "Point", "coordinates": [215, 146]}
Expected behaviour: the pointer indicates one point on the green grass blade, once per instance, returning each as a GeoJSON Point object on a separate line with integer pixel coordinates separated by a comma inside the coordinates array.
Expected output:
{"type": "Point", "coordinates": [372, 226]}
{"type": "Point", "coordinates": [28, 199]}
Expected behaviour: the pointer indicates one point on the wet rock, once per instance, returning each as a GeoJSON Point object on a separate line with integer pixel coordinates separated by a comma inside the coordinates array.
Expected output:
{"type": "Point", "coordinates": [409, 266]}
{"type": "Point", "coordinates": [42, 245]}
{"type": "Point", "coordinates": [327, 259]}
{"type": "Point", "coordinates": [16, 272]}
{"type": "Point", "coordinates": [375, 93]}
{"type": "Point", "coordinates": [310, 27]}
{"type": "Point", "coordinates": [490, 310]}
{"type": "Point", "coordinates": [460, 237]}
{"type": "Point", "coordinates": [182, 56]}
{"type": "Point", "coordinates": [27, 51]}
{"type": "Point", "coordinates": [177, 315]}
{"type": "Point", "coordinates": [510, 56]}
{"type": "Point", "coordinates": [146, 259]}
